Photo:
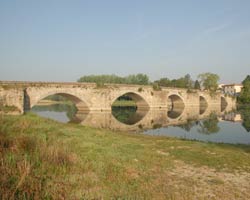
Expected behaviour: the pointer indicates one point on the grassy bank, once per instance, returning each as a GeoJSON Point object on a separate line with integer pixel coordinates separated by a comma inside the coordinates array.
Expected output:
{"type": "Point", "coordinates": [123, 103]}
{"type": "Point", "coordinates": [43, 159]}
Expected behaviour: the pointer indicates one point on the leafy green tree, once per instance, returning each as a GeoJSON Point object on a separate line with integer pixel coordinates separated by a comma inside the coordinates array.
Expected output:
{"type": "Point", "coordinates": [197, 85]}
{"type": "Point", "coordinates": [188, 81]}
{"type": "Point", "coordinates": [141, 79]}
{"type": "Point", "coordinates": [245, 92]}
{"type": "Point", "coordinates": [209, 81]}
{"type": "Point", "coordinates": [183, 82]}
{"type": "Point", "coordinates": [165, 82]}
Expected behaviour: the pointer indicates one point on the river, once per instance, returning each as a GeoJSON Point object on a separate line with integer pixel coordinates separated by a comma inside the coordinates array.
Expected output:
{"type": "Point", "coordinates": [212, 126]}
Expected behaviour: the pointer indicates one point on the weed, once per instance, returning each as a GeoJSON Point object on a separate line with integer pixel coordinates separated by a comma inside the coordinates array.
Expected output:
{"type": "Point", "coordinates": [140, 89]}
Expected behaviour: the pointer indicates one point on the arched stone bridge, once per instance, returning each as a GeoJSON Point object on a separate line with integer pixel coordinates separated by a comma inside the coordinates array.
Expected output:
{"type": "Point", "coordinates": [88, 96]}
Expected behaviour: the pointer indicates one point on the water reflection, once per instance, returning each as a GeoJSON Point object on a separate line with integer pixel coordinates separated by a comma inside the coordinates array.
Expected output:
{"type": "Point", "coordinates": [175, 113]}
{"type": "Point", "coordinates": [223, 104]}
{"type": "Point", "coordinates": [245, 117]}
{"type": "Point", "coordinates": [210, 125]}
{"type": "Point", "coordinates": [128, 114]}
{"type": "Point", "coordinates": [63, 112]}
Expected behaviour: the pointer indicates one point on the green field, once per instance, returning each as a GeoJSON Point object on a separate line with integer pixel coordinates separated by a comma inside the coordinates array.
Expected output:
{"type": "Point", "coordinates": [123, 103]}
{"type": "Point", "coordinates": [44, 159]}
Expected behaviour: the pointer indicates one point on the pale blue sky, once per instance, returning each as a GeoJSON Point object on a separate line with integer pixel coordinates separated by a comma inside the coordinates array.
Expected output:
{"type": "Point", "coordinates": [59, 40]}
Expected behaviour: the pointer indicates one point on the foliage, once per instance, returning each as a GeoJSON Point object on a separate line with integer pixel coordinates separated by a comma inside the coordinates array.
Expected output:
{"type": "Point", "coordinates": [245, 92]}
{"type": "Point", "coordinates": [156, 87]}
{"type": "Point", "coordinates": [183, 82]}
{"type": "Point", "coordinates": [139, 79]}
{"type": "Point", "coordinates": [209, 81]}
{"type": "Point", "coordinates": [140, 89]}
{"type": "Point", "coordinates": [56, 97]}
{"type": "Point", "coordinates": [8, 109]}
{"type": "Point", "coordinates": [197, 85]}
{"type": "Point", "coordinates": [123, 103]}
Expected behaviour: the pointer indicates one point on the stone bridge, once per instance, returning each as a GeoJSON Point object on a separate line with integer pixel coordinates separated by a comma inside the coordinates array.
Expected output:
{"type": "Point", "coordinates": [91, 97]}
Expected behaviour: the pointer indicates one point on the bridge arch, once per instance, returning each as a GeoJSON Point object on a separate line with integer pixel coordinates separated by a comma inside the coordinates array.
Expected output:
{"type": "Point", "coordinates": [139, 100]}
{"type": "Point", "coordinates": [203, 104]}
{"type": "Point", "coordinates": [223, 103]}
{"type": "Point", "coordinates": [34, 98]}
{"type": "Point", "coordinates": [176, 106]}
{"type": "Point", "coordinates": [175, 101]}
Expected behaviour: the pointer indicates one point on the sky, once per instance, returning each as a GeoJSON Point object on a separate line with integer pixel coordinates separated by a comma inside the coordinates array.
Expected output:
{"type": "Point", "coordinates": [62, 40]}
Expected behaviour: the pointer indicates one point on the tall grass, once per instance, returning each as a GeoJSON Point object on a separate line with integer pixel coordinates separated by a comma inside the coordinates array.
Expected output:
{"type": "Point", "coordinates": [43, 159]}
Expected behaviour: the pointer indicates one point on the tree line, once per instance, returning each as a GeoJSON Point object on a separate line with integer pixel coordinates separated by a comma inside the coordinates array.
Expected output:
{"type": "Point", "coordinates": [207, 81]}
{"type": "Point", "coordinates": [138, 79]}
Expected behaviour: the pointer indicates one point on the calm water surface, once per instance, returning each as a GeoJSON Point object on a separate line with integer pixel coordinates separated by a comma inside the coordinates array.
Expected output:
{"type": "Point", "coordinates": [204, 125]}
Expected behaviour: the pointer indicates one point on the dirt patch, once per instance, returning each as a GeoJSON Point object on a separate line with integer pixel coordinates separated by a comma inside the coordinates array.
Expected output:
{"type": "Point", "coordinates": [207, 183]}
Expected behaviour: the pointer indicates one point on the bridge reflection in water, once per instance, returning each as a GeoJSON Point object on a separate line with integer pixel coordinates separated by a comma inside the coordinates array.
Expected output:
{"type": "Point", "coordinates": [205, 123]}
{"type": "Point", "coordinates": [146, 119]}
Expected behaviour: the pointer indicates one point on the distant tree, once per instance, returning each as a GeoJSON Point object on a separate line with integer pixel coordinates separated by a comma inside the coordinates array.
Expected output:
{"type": "Point", "coordinates": [209, 81]}
{"type": "Point", "coordinates": [188, 81]}
{"type": "Point", "coordinates": [141, 79]}
{"type": "Point", "coordinates": [197, 85]}
{"type": "Point", "coordinates": [245, 92]}
{"type": "Point", "coordinates": [165, 82]}
{"type": "Point", "coordinates": [183, 82]}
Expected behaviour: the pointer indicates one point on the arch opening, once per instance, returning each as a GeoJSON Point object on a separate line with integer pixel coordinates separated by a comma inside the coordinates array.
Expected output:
{"type": "Point", "coordinates": [203, 105]}
{"type": "Point", "coordinates": [175, 106]}
{"type": "Point", "coordinates": [223, 104]}
{"type": "Point", "coordinates": [129, 108]}
{"type": "Point", "coordinates": [61, 107]}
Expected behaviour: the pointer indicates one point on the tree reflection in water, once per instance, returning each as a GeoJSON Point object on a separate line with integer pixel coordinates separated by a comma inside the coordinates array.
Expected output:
{"type": "Point", "coordinates": [245, 115]}
{"type": "Point", "coordinates": [69, 108]}
{"type": "Point", "coordinates": [189, 124]}
{"type": "Point", "coordinates": [127, 114]}
{"type": "Point", "coordinates": [210, 125]}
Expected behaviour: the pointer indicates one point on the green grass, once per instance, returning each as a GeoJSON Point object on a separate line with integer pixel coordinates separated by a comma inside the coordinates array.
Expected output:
{"type": "Point", "coordinates": [7, 109]}
{"type": "Point", "coordinates": [123, 103]}
{"type": "Point", "coordinates": [43, 159]}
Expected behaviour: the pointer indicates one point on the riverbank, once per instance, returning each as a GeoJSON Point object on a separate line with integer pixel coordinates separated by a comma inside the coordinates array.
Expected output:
{"type": "Point", "coordinates": [47, 102]}
{"type": "Point", "coordinates": [123, 103]}
{"type": "Point", "coordinates": [43, 159]}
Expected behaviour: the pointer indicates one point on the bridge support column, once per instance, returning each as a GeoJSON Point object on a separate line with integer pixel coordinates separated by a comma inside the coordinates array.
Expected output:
{"type": "Point", "coordinates": [12, 100]}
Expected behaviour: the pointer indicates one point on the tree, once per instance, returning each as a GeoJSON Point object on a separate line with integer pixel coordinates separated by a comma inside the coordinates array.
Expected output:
{"type": "Point", "coordinates": [245, 92]}
{"type": "Point", "coordinates": [165, 82]}
{"type": "Point", "coordinates": [141, 79]}
{"type": "Point", "coordinates": [209, 81]}
{"type": "Point", "coordinates": [197, 85]}
{"type": "Point", "coordinates": [183, 82]}
{"type": "Point", "coordinates": [188, 81]}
